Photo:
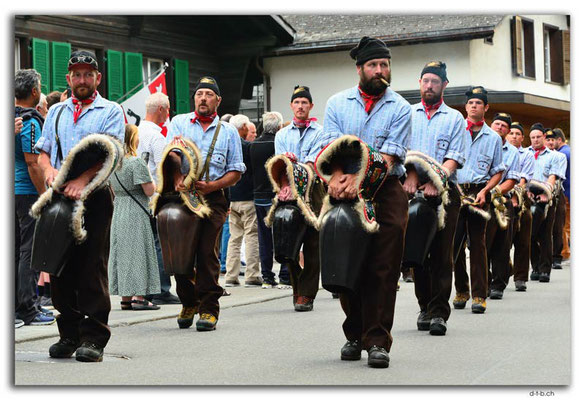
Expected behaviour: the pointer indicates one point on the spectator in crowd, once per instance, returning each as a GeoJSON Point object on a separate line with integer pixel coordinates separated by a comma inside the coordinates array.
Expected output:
{"type": "Point", "coordinates": [132, 267]}
{"type": "Point", "coordinates": [53, 98]}
{"type": "Point", "coordinates": [28, 184]}
{"type": "Point", "coordinates": [83, 319]}
{"type": "Point", "coordinates": [251, 136]}
{"type": "Point", "coordinates": [17, 125]}
{"type": "Point", "coordinates": [243, 224]}
{"type": "Point", "coordinates": [225, 230]}
{"type": "Point", "coordinates": [260, 151]}
{"type": "Point", "coordinates": [151, 145]}
{"type": "Point", "coordinates": [42, 106]}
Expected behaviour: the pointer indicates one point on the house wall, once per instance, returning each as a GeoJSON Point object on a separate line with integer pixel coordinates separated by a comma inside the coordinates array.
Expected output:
{"type": "Point", "coordinates": [469, 62]}
{"type": "Point", "coordinates": [491, 65]}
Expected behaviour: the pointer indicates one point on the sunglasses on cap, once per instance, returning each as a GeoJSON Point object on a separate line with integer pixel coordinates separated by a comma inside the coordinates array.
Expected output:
{"type": "Point", "coordinates": [76, 60]}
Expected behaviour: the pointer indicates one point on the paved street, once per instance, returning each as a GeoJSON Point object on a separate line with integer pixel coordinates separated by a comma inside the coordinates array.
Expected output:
{"type": "Point", "coordinates": [524, 339]}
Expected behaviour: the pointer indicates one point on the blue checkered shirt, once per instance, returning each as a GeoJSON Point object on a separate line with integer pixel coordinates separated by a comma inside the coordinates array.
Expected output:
{"type": "Point", "coordinates": [511, 159]}
{"type": "Point", "coordinates": [526, 163]}
{"type": "Point", "coordinates": [227, 153]}
{"type": "Point", "coordinates": [305, 146]}
{"type": "Point", "coordinates": [547, 164]}
{"type": "Point", "coordinates": [386, 128]}
{"type": "Point", "coordinates": [442, 137]}
{"type": "Point", "coordinates": [102, 116]}
{"type": "Point", "coordinates": [484, 159]}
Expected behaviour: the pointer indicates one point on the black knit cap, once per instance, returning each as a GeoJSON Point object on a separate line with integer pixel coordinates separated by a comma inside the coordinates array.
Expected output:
{"type": "Point", "coordinates": [207, 82]}
{"type": "Point", "coordinates": [517, 125]}
{"type": "Point", "coordinates": [301, 91]}
{"type": "Point", "coordinates": [477, 92]}
{"type": "Point", "coordinates": [538, 127]}
{"type": "Point", "coordinates": [368, 49]}
{"type": "Point", "coordinates": [503, 117]}
{"type": "Point", "coordinates": [550, 134]}
{"type": "Point", "coordinates": [438, 68]}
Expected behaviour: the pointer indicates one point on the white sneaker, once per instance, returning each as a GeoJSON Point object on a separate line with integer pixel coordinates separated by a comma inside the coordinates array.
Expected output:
{"type": "Point", "coordinates": [266, 286]}
{"type": "Point", "coordinates": [232, 283]}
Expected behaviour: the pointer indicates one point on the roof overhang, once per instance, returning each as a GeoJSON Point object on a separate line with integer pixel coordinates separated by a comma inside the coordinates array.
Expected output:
{"type": "Point", "coordinates": [391, 41]}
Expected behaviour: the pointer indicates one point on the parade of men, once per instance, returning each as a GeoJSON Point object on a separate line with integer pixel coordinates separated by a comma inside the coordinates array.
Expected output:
{"type": "Point", "coordinates": [499, 227]}
{"type": "Point", "coordinates": [522, 217]}
{"type": "Point", "coordinates": [548, 169]}
{"type": "Point", "coordinates": [273, 171]}
{"type": "Point", "coordinates": [439, 132]}
{"type": "Point", "coordinates": [480, 174]}
{"type": "Point", "coordinates": [220, 145]}
{"type": "Point", "coordinates": [363, 111]}
{"type": "Point", "coordinates": [303, 138]}
{"type": "Point", "coordinates": [80, 293]}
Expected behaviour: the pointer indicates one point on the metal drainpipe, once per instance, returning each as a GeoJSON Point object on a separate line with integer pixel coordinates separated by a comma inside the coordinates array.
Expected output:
{"type": "Point", "coordinates": [266, 85]}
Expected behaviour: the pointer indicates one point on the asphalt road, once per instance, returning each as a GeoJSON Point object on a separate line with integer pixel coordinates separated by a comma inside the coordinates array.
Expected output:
{"type": "Point", "coordinates": [524, 339]}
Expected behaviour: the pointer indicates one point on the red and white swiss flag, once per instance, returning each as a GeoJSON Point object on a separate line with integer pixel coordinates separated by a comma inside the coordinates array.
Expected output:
{"type": "Point", "coordinates": [134, 107]}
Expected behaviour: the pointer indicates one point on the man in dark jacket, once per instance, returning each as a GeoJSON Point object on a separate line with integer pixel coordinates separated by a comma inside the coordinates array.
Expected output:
{"type": "Point", "coordinates": [261, 150]}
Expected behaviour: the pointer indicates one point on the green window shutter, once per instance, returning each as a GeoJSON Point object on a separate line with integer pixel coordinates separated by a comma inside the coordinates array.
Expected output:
{"type": "Point", "coordinates": [40, 51]}
{"type": "Point", "coordinates": [132, 73]}
{"type": "Point", "coordinates": [182, 86]}
{"type": "Point", "coordinates": [59, 61]}
{"type": "Point", "coordinates": [115, 74]}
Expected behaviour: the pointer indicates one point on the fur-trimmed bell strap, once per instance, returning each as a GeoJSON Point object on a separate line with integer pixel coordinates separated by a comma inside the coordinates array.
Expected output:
{"type": "Point", "coordinates": [469, 203]}
{"type": "Point", "coordinates": [292, 181]}
{"type": "Point", "coordinates": [498, 202]}
{"type": "Point", "coordinates": [538, 187]}
{"type": "Point", "coordinates": [191, 167]}
{"type": "Point", "coordinates": [91, 150]}
{"type": "Point", "coordinates": [430, 170]}
{"type": "Point", "coordinates": [354, 156]}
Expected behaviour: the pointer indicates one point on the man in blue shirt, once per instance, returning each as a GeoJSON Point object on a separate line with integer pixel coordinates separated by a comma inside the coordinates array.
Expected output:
{"type": "Point", "coordinates": [563, 147]}
{"type": "Point", "coordinates": [438, 131]}
{"type": "Point", "coordinates": [547, 170]}
{"type": "Point", "coordinates": [82, 289]}
{"type": "Point", "coordinates": [480, 174]}
{"type": "Point", "coordinates": [381, 118]}
{"type": "Point", "coordinates": [552, 142]}
{"type": "Point", "coordinates": [303, 138]}
{"type": "Point", "coordinates": [28, 184]}
{"type": "Point", "coordinates": [221, 148]}
{"type": "Point", "coordinates": [498, 239]}
{"type": "Point", "coordinates": [522, 216]}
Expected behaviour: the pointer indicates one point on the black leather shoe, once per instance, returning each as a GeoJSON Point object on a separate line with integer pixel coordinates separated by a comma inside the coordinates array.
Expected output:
{"type": "Point", "coordinates": [64, 348]}
{"type": "Point", "coordinates": [496, 294]}
{"type": "Point", "coordinates": [438, 327]}
{"type": "Point", "coordinates": [534, 275]}
{"type": "Point", "coordinates": [423, 322]}
{"type": "Point", "coordinates": [167, 298]}
{"type": "Point", "coordinates": [378, 357]}
{"type": "Point", "coordinates": [351, 351]}
{"type": "Point", "coordinates": [520, 286]}
{"type": "Point", "coordinates": [557, 265]}
{"type": "Point", "coordinates": [89, 352]}
{"type": "Point", "coordinates": [544, 277]}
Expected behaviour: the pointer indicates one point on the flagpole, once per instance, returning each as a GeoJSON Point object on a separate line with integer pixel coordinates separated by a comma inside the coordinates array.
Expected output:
{"type": "Point", "coordinates": [144, 81]}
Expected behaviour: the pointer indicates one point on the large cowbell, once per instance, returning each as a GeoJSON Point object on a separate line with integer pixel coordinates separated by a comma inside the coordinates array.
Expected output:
{"type": "Point", "coordinates": [538, 216]}
{"type": "Point", "coordinates": [420, 232]}
{"type": "Point", "coordinates": [288, 229]}
{"type": "Point", "coordinates": [53, 240]}
{"type": "Point", "coordinates": [179, 232]}
{"type": "Point", "coordinates": [343, 244]}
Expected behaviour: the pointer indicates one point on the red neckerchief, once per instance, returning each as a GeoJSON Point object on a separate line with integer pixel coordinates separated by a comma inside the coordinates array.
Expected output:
{"type": "Point", "coordinates": [204, 118]}
{"type": "Point", "coordinates": [538, 151]}
{"type": "Point", "coordinates": [428, 108]}
{"type": "Point", "coordinates": [305, 122]}
{"type": "Point", "coordinates": [369, 100]}
{"type": "Point", "coordinates": [79, 104]}
{"type": "Point", "coordinates": [470, 124]}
